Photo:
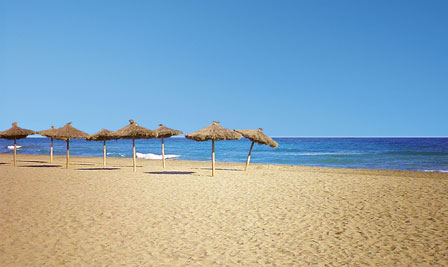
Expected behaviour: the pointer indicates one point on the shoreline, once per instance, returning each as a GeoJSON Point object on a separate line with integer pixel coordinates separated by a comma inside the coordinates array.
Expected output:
{"type": "Point", "coordinates": [425, 155]}
{"type": "Point", "coordinates": [98, 161]}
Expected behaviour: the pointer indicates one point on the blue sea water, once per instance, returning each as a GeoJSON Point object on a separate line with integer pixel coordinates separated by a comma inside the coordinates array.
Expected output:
{"type": "Point", "coordinates": [418, 154]}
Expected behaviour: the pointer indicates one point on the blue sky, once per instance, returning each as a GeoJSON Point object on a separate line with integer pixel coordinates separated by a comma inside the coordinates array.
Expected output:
{"type": "Point", "coordinates": [294, 68]}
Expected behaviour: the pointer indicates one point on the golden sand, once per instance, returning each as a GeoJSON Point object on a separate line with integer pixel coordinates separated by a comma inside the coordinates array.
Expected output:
{"type": "Point", "coordinates": [272, 215]}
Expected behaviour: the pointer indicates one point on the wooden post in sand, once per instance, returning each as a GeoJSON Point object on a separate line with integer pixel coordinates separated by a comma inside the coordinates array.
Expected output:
{"type": "Point", "coordinates": [15, 151]}
{"type": "Point", "coordinates": [256, 136]}
{"type": "Point", "coordinates": [104, 153]}
{"type": "Point", "coordinates": [67, 157]}
{"type": "Point", "coordinates": [133, 155]}
{"type": "Point", "coordinates": [133, 131]}
{"type": "Point", "coordinates": [163, 153]}
{"type": "Point", "coordinates": [15, 132]}
{"type": "Point", "coordinates": [213, 132]}
{"type": "Point", "coordinates": [51, 150]}
{"type": "Point", "coordinates": [213, 157]}
{"type": "Point", "coordinates": [248, 157]}
{"type": "Point", "coordinates": [66, 133]}
{"type": "Point", "coordinates": [163, 132]}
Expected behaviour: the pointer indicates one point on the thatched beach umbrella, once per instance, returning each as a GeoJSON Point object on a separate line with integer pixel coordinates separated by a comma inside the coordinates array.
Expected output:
{"type": "Point", "coordinates": [49, 133]}
{"type": "Point", "coordinates": [134, 131]}
{"type": "Point", "coordinates": [102, 135]}
{"type": "Point", "coordinates": [213, 132]}
{"type": "Point", "coordinates": [66, 133]}
{"type": "Point", "coordinates": [14, 133]}
{"type": "Point", "coordinates": [164, 132]}
{"type": "Point", "coordinates": [259, 137]}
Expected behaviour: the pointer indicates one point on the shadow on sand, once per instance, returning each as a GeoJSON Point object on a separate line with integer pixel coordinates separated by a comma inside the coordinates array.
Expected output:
{"type": "Point", "coordinates": [98, 169]}
{"type": "Point", "coordinates": [32, 161]}
{"type": "Point", "coordinates": [171, 172]}
{"type": "Point", "coordinates": [41, 166]}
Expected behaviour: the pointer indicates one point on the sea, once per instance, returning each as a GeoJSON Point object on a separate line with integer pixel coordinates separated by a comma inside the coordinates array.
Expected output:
{"type": "Point", "coordinates": [416, 154]}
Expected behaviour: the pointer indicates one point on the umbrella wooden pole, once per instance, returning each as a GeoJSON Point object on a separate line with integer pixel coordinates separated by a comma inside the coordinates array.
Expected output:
{"type": "Point", "coordinates": [51, 150]}
{"type": "Point", "coordinates": [248, 157]}
{"type": "Point", "coordinates": [67, 157]}
{"type": "Point", "coordinates": [15, 151]}
{"type": "Point", "coordinates": [133, 155]}
{"type": "Point", "coordinates": [104, 153]}
{"type": "Point", "coordinates": [213, 157]}
{"type": "Point", "coordinates": [163, 154]}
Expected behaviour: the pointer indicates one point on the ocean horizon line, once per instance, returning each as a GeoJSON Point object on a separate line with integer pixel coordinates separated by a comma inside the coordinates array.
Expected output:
{"type": "Point", "coordinates": [355, 136]}
{"type": "Point", "coordinates": [360, 136]}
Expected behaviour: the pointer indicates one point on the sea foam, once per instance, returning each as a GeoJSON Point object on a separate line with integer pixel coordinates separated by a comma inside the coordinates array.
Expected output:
{"type": "Point", "coordinates": [342, 153]}
{"type": "Point", "coordinates": [435, 170]}
{"type": "Point", "coordinates": [154, 156]}
{"type": "Point", "coordinates": [115, 154]}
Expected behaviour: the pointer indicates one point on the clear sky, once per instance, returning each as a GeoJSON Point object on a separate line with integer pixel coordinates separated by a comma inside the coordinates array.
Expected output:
{"type": "Point", "coordinates": [294, 68]}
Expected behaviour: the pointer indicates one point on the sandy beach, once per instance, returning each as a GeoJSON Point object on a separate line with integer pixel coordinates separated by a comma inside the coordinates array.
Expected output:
{"type": "Point", "coordinates": [272, 215]}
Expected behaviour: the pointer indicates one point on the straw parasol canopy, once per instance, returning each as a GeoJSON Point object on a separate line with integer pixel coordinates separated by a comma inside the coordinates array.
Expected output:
{"type": "Point", "coordinates": [213, 132]}
{"type": "Point", "coordinates": [14, 133]}
{"type": "Point", "coordinates": [134, 131]}
{"type": "Point", "coordinates": [256, 136]}
{"type": "Point", "coordinates": [164, 132]}
{"type": "Point", "coordinates": [66, 133]}
{"type": "Point", "coordinates": [49, 133]}
{"type": "Point", "coordinates": [103, 135]}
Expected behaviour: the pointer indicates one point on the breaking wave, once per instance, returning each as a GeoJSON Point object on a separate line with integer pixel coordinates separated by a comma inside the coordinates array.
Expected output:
{"type": "Point", "coordinates": [154, 156]}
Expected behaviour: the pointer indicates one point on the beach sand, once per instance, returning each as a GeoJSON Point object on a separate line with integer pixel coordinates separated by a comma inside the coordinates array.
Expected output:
{"type": "Point", "coordinates": [272, 215]}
